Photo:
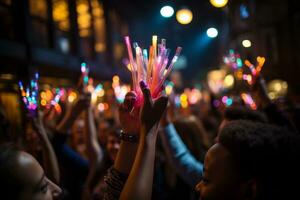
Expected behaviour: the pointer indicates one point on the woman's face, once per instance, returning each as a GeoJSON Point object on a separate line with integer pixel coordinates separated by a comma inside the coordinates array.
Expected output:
{"type": "Point", "coordinates": [220, 178]}
{"type": "Point", "coordinates": [35, 185]}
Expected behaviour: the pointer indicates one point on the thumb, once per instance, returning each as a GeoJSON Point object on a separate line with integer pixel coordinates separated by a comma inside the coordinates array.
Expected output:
{"type": "Point", "coordinates": [146, 93]}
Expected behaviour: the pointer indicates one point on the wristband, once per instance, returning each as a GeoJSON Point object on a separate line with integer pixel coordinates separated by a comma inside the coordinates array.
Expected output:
{"type": "Point", "coordinates": [128, 137]}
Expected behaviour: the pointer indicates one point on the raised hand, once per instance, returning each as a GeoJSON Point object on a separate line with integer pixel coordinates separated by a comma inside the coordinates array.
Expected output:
{"type": "Point", "coordinates": [259, 92]}
{"type": "Point", "coordinates": [128, 115]}
{"type": "Point", "coordinates": [152, 110]}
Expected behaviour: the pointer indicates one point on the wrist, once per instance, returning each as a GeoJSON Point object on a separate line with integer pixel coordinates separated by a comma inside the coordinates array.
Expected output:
{"type": "Point", "coordinates": [128, 137]}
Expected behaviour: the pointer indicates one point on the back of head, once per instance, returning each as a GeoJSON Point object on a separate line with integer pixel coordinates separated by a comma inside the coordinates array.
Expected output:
{"type": "Point", "coordinates": [193, 134]}
{"type": "Point", "coordinates": [265, 153]}
{"type": "Point", "coordinates": [9, 187]}
{"type": "Point", "coordinates": [244, 113]}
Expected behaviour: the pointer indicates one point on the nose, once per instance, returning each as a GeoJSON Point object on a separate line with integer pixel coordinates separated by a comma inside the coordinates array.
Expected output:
{"type": "Point", "coordinates": [55, 189]}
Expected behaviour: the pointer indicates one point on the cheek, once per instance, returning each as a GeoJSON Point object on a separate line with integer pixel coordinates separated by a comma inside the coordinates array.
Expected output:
{"type": "Point", "coordinates": [41, 196]}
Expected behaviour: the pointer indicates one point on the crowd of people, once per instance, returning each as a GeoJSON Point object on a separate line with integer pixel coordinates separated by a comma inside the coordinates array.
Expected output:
{"type": "Point", "coordinates": [155, 151]}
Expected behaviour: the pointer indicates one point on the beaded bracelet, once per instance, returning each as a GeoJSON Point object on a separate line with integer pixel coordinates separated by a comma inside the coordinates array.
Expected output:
{"type": "Point", "coordinates": [128, 137]}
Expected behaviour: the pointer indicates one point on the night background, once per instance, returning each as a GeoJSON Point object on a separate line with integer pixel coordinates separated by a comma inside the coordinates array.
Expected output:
{"type": "Point", "coordinates": [54, 53]}
{"type": "Point", "coordinates": [45, 36]}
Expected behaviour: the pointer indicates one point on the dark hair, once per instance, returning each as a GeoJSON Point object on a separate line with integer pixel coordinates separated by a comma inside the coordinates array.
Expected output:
{"type": "Point", "coordinates": [9, 185]}
{"type": "Point", "coordinates": [193, 134]}
{"type": "Point", "coordinates": [264, 152]}
{"type": "Point", "coordinates": [243, 113]}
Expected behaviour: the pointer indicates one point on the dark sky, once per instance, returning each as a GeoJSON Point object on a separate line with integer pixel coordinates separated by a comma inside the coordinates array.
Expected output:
{"type": "Point", "coordinates": [201, 52]}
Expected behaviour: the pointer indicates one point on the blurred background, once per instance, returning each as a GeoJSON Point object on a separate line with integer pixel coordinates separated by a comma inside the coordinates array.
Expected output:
{"type": "Point", "coordinates": [54, 36]}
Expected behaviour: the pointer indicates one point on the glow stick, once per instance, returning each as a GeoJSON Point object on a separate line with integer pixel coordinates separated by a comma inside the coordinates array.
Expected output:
{"type": "Point", "coordinates": [251, 67]}
{"type": "Point", "coordinates": [166, 74]}
{"type": "Point", "coordinates": [248, 100]}
{"type": "Point", "coordinates": [29, 95]}
{"type": "Point", "coordinates": [152, 69]}
{"type": "Point", "coordinates": [154, 44]}
{"type": "Point", "coordinates": [261, 62]}
{"type": "Point", "coordinates": [233, 60]}
{"type": "Point", "coordinates": [132, 63]}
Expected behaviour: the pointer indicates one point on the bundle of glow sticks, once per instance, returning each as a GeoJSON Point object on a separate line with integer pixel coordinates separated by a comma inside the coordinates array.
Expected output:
{"type": "Point", "coordinates": [153, 69]}
{"type": "Point", "coordinates": [233, 60]}
{"type": "Point", "coordinates": [30, 94]}
{"type": "Point", "coordinates": [255, 71]}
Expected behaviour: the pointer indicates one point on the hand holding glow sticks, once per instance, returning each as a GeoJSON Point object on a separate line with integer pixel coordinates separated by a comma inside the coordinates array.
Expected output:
{"type": "Point", "coordinates": [30, 95]}
{"type": "Point", "coordinates": [152, 69]}
{"type": "Point", "coordinates": [255, 70]}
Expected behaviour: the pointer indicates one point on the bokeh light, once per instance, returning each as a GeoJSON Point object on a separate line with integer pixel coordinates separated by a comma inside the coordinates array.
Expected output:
{"type": "Point", "coordinates": [167, 11]}
{"type": "Point", "coordinates": [212, 32]}
{"type": "Point", "coordinates": [218, 3]}
{"type": "Point", "coordinates": [184, 16]}
{"type": "Point", "coordinates": [246, 43]}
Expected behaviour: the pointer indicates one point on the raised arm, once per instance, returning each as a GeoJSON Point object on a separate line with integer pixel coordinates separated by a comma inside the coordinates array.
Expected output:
{"type": "Point", "coordinates": [263, 101]}
{"type": "Point", "coordinates": [140, 180]}
{"type": "Point", "coordinates": [95, 152]}
{"type": "Point", "coordinates": [184, 163]}
{"type": "Point", "coordinates": [49, 158]}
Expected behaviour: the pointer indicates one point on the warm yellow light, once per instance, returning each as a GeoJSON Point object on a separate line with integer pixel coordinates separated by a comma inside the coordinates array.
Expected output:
{"type": "Point", "coordinates": [228, 81]}
{"type": "Point", "coordinates": [239, 74]}
{"type": "Point", "coordinates": [184, 16]}
{"type": "Point", "coordinates": [116, 79]}
{"type": "Point", "coordinates": [168, 89]}
{"type": "Point", "coordinates": [277, 88]}
{"type": "Point", "coordinates": [215, 79]}
{"type": "Point", "coordinates": [183, 97]}
{"type": "Point", "coordinates": [43, 95]}
{"type": "Point", "coordinates": [246, 43]}
{"type": "Point", "coordinates": [43, 102]}
{"type": "Point", "coordinates": [218, 3]}
{"type": "Point", "coordinates": [101, 93]}
{"type": "Point", "coordinates": [99, 47]}
{"type": "Point", "coordinates": [72, 96]}
{"type": "Point", "coordinates": [184, 104]}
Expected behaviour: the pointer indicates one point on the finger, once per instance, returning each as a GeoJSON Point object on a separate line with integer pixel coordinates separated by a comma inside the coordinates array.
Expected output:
{"type": "Point", "coordinates": [160, 106]}
{"type": "Point", "coordinates": [146, 93]}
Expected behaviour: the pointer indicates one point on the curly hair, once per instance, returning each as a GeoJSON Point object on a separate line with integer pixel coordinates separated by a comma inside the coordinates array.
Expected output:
{"type": "Point", "coordinates": [264, 152]}
{"type": "Point", "coordinates": [243, 113]}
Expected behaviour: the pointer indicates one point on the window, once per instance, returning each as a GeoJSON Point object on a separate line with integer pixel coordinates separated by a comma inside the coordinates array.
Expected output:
{"type": "Point", "coordinates": [38, 14]}
{"type": "Point", "coordinates": [60, 14]}
{"type": "Point", "coordinates": [244, 11]}
{"type": "Point", "coordinates": [6, 20]}
{"type": "Point", "coordinates": [84, 20]}
{"type": "Point", "coordinates": [99, 26]}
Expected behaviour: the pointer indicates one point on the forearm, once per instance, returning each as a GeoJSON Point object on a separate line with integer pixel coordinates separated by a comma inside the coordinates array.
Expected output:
{"type": "Point", "coordinates": [125, 157]}
{"type": "Point", "coordinates": [139, 182]}
{"type": "Point", "coordinates": [95, 152]}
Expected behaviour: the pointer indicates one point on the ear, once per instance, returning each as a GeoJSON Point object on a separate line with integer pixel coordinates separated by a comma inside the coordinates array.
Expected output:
{"type": "Point", "coordinates": [250, 189]}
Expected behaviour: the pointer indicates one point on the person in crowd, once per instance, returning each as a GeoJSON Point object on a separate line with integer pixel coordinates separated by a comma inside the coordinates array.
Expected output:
{"type": "Point", "coordinates": [131, 176]}
{"type": "Point", "coordinates": [274, 114]}
{"type": "Point", "coordinates": [185, 164]}
{"type": "Point", "coordinates": [251, 161]}
{"type": "Point", "coordinates": [193, 134]}
{"type": "Point", "coordinates": [22, 177]}
{"type": "Point", "coordinates": [100, 159]}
